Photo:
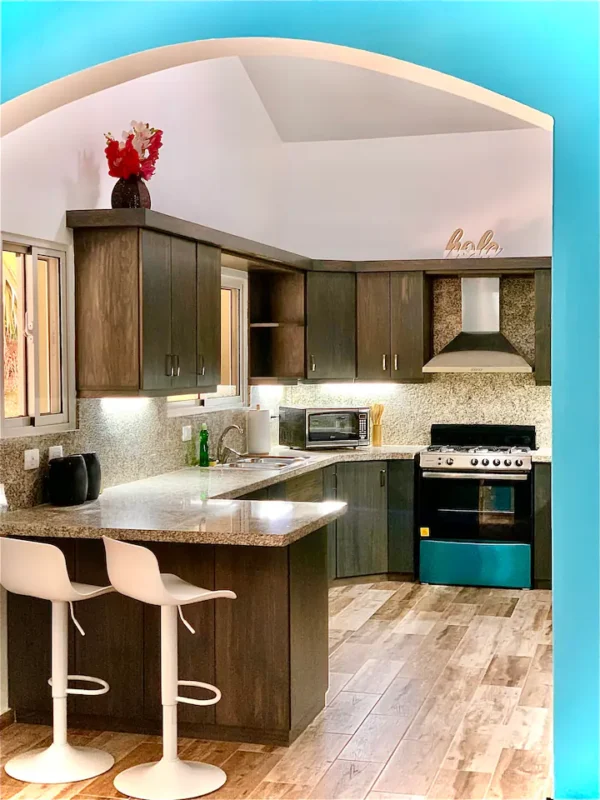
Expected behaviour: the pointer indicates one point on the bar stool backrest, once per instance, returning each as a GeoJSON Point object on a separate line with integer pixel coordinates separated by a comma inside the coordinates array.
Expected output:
{"type": "Point", "coordinates": [34, 569]}
{"type": "Point", "coordinates": [134, 572]}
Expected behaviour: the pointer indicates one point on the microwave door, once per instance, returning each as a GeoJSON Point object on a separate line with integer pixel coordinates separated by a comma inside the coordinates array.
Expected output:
{"type": "Point", "coordinates": [323, 427]}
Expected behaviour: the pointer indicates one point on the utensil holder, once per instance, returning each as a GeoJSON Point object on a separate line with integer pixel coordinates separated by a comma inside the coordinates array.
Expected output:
{"type": "Point", "coordinates": [376, 437]}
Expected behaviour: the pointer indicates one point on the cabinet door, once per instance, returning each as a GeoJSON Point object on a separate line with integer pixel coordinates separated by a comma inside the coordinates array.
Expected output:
{"type": "Point", "coordinates": [156, 311]}
{"type": "Point", "coordinates": [411, 325]}
{"type": "Point", "coordinates": [542, 532]}
{"type": "Point", "coordinates": [183, 312]}
{"type": "Point", "coordinates": [330, 326]}
{"type": "Point", "coordinates": [401, 516]}
{"type": "Point", "coordinates": [329, 493]}
{"type": "Point", "coordinates": [209, 315]}
{"type": "Point", "coordinates": [362, 533]}
{"type": "Point", "coordinates": [543, 302]}
{"type": "Point", "coordinates": [373, 326]}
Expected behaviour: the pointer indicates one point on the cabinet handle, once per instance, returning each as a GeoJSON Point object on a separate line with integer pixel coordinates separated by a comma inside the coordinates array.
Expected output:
{"type": "Point", "coordinates": [178, 367]}
{"type": "Point", "coordinates": [384, 362]}
{"type": "Point", "coordinates": [169, 365]}
{"type": "Point", "coordinates": [202, 367]}
{"type": "Point", "coordinates": [382, 478]}
{"type": "Point", "coordinates": [313, 365]}
{"type": "Point", "coordinates": [396, 361]}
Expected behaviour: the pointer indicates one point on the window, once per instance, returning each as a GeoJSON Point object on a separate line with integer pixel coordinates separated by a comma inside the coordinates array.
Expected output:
{"type": "Point", "coordinates": [37, 386]}
{"type": "Point", "coordinates": [232, 390]}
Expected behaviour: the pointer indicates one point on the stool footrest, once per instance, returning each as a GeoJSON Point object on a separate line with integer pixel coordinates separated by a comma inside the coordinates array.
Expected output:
{"type": "Point", "coordinates": [104, 687]}
{"type": "Point", "coordinates": [192, 700]}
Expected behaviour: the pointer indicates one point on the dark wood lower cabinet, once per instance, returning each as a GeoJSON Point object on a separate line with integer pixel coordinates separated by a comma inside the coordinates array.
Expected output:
{"type": "Point", "coordinates": [265, 651]}
{"type": "Point", "coordinates": [401, 517]}
{"type": "Point", "coordinates": [542, 526]}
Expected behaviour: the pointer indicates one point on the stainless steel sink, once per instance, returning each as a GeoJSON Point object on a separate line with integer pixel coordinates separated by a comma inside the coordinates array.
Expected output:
{"type": "Point", "coordinates": [266, 462]}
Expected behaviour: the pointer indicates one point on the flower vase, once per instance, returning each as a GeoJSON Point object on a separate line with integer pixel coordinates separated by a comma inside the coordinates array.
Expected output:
{"type": "Point", "coordinates": [130, 192]}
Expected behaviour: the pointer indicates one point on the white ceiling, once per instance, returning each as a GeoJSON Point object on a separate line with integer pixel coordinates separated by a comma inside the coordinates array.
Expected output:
{"type": "Point", "coordinates": [310, 101]}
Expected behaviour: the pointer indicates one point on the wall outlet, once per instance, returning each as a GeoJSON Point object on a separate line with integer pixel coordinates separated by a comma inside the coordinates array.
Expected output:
{"type": "Point", "coordinates": [55, 452]}
{"type": "Point", "coordinates": [32, 459]}
{"type": "Point", "coordinates": [186, 433]}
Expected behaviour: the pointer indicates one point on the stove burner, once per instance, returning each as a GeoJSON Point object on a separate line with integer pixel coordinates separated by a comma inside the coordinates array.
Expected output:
{"type": "Point", "coordinates": [481, 450]}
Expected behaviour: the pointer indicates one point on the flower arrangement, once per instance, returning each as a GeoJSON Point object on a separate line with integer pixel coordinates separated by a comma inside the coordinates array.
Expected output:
{"type": "Point", "coordinates": [137, 154]}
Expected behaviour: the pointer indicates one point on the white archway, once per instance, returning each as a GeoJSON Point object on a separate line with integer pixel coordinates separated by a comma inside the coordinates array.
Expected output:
{"type": "Point", "coordinates": [46, 98]}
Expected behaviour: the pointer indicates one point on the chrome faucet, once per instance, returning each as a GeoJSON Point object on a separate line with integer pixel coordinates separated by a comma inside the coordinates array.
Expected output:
{"type": "Point", "coordinates": [224, 452]}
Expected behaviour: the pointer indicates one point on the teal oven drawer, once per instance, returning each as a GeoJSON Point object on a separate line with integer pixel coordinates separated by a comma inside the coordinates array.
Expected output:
{"type": "Point", "coordinates": [476, 563]}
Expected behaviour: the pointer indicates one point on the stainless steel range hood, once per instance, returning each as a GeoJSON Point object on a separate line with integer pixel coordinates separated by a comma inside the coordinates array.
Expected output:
{"type": "Point", "coordinates": [480, 347]}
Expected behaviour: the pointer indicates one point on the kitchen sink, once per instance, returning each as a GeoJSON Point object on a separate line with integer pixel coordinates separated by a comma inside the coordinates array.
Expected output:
{"type": "Point", "coordinates": [266, 462]}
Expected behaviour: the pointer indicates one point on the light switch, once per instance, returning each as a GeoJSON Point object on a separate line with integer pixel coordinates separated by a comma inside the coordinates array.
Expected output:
{"type": "Point", "coordinates": [32, 459]}
{"type": "Point", "coordinates": [186, 433]}
{"type": "Point", "coordinates": [55, 452]}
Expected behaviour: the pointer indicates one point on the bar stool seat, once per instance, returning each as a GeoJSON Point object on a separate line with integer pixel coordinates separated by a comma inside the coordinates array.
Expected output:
{"type": "Point", "coordinates": [134, 571]}
{"type": "Point", "coordinates": [39, 570]}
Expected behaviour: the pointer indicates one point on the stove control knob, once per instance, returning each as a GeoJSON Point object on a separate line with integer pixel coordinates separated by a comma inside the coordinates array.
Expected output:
{"type": "Point", "coordinates": [518, 462]}
{"type": "Point", "coordinates": [474, 461]}
{"type": "Point", "coordinates": [485, 462]}
{"type": "Point", "coordinates": [449, 461]}
{"type": "Point", "coordinates": [496, 462]}
{"type": "Point", "coordinates": [507, 462]}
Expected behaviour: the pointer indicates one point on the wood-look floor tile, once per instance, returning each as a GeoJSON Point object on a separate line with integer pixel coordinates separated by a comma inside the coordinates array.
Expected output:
{"type": "Point", "coordinates": [403, 697]}
{"type": "Point", "coordinates": [360, 610]}
{"type": "Point", "coordinates": [346, 780]}
{"type": "Point", "coordinates": [491, 705]}
{"type": "Point", "coordinates": [245, 771]}
{"type": "Point", "coordinates": [426, 664]}
{"type": "Point", "coordinates": [308, 758]}
{"type": "Point", "coordinates": [102, 786]}
{"type": "Point", "coordinates": [374, 676]}
{"type": "Point", "coordinates": [416, 592]}
{"type": "Point", "coordinates": [350, 657]}
{"type": "Point", "coordinates": [337, 681]}
{"type": "Point", "coordinates": [337, 638]}
{"type": "Point", "coordinates": [420, 622]}
{"type": "Point", "coordinates": [445, 636]}
{"type": "Point", "coordinates": [520, 774]}
{"type": "Point", "coordinates": [268, 790]}
{"type": "Point", "coordinates": [447, 703]}
{"type": "Point", "coordinates": [528, 729]}
{"type": "Point", "coordinates": [472, 594]}
{"type": "Point", "coordinates": [460, 613]}
{"type": "Point", "coordinates": [477, 751]}
{"type": "Point", "coordinates": [507, 671]}
{"type": "Point", "coordinates": [437, 599]}
{"type": "Point", "coordinates": [338, 603]}
{"type": "Point", "coordinates": [413, 766]}
{"type": "Point", "coordinates": [389, 796]}
{"type": "Point", "coordinates": [529, 616]}
{"type": "Point", "coordinates": [453, 785]}
{"type": "Point", "coordinates": [545, 635]}
{"type": "Point", "coordinates": [17, 738]}
{"type": "Point", "coordinates": [374, 630]}
{"type": "Point", "coordinates": [251, 747]}
{"type": "Point", "coordinates": [399, 646]}
{"type": "Point", "coordinates": [376, 739]}
{"type": "Point", "coordinates": [346, 713]}
{"type": "Point", "coordinates": [537, 691]}
{"type": "Point", "coordinates": [498, 607]}
{"type": "Point", "coordinates": [517, 643]}
{"type": "Point", "coordinates": [479, 644]}
{"type": "Point", "coordinates": [215, 753]}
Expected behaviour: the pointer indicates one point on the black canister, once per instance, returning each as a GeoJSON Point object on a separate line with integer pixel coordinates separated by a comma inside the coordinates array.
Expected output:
{"type": "Point", "coordinates": [94, 472]}
{"type": "Point", "coordinates": [67, 481]}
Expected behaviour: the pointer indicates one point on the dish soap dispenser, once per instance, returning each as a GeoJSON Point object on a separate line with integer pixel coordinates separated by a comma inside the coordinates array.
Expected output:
{"type": "Point", "coordinates": [204, 458]}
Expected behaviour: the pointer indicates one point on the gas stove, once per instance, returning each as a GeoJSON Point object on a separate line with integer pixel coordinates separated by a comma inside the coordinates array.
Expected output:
{"type": "Point", "coordinates": [486, 448]}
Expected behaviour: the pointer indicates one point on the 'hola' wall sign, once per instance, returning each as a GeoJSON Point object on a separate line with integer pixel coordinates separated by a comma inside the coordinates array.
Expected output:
{"type": "Point", "coordinates": [485, 248]}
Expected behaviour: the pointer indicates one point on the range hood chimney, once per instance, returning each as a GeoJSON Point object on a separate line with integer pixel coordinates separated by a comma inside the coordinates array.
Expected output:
{"type": "Point", "coordinates": [480, 347]}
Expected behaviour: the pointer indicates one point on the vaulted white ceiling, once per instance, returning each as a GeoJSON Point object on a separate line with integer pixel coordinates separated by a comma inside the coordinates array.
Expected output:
{"type": "Point", "coordinates": [310, 101]}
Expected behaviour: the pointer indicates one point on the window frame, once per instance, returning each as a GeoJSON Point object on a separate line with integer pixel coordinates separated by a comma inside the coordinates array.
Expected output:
{"type": "Point", "coordinates": [36, 424]}
{"type": "Point", "coordinates": [230, 279]}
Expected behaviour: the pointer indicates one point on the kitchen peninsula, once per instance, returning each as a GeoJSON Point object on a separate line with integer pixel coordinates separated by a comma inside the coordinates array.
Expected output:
{"type": "Point", "coordinates": [266, 651]}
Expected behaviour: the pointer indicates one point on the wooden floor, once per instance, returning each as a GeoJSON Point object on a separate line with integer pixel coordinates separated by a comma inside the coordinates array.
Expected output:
{"type": "Point", "coordinates": [435, 692]}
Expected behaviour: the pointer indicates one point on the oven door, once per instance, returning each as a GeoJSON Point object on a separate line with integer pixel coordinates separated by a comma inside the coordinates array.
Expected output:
{"type": "Point", "coordinates": [332, 427]}
{"type": "Point", "coordinates": [476, 507]}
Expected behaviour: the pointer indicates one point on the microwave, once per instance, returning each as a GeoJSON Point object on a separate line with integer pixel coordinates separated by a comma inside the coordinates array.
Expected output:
{"type": "Point", "coordinates": [315, 428]}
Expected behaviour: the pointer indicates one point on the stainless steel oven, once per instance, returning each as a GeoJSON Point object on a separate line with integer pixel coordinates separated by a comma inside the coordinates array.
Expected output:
{"type": "Point", "coordinates": [315, 428]}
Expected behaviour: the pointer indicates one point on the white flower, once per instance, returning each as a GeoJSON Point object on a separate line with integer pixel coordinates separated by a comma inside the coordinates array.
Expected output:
{"type": "Point", "coordinates": [141, 136]}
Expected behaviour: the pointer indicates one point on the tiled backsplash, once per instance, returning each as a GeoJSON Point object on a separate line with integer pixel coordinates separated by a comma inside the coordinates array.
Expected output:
{"type": "Point", "coordinates": [410, 409]}
{"type": "Point", "coordinates": [134, 439]}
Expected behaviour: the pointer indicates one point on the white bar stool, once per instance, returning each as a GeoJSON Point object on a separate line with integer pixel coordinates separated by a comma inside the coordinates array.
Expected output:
{"type": "Point", "coordinates": [134, 571]}
{"type": "Point", "coordinates": [40, 570]}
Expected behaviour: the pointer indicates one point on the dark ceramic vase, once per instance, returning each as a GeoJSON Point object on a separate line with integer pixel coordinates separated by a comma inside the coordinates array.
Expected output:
{"type": "Point", "coordinates": [94, 473]}
{"type": "Point", "coordinates": [67, 481]}
{"type": "Point", "coordinates": [130, 192]}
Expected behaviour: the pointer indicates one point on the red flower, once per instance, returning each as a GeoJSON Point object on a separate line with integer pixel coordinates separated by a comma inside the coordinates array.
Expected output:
{"type": "Point", "coordinates": [124, 160]}
{"type": "Point", "coordinates": [148, 164]}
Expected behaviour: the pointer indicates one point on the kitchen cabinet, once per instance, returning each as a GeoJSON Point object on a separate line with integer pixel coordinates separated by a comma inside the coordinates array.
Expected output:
{"type": "Point", "coordinates": [362, 533]}
{"type": "Point", "coordinates": [147, 313]}
{"type": "Point", "coordinates": [306, 488]}
{"type": "Point", "coordinates": [543, 310]}
{"type": "Point", "coordinates": [542, 526]}
{"type": "Point", "coordinates": [330, 326]}
{"type": "Point", "coordinates": [393, 322]}
{"type": "Point", "coordinates": [401, 517]}
{"type": "Point", "coordinates": [330, 493]}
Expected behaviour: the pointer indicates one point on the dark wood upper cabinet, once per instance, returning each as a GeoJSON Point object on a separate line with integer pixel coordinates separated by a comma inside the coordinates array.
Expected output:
{"type": "Point", "coordinates": [393, 322]}
{"type": "Point", "coordinates": [373, 326]}
{"type": "Point", "coordinates": [208, 342]}
{"type": "Point", "coordinates": [410, 309]}
{"type": "Point", "coordinates": [330, 326]}
{"type": "Point", "coordinates": [147, 313]}
{"type": "Point", "coordinates": [543, 311]}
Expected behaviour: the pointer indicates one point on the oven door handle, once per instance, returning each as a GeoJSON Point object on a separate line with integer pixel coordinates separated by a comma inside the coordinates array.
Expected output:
{"type": "Point", "coordinates": [477, 476]}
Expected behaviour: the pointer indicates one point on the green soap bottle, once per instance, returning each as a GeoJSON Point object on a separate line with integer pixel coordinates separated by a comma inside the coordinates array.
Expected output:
{"type": "Point", "coordinates": [204, 458]}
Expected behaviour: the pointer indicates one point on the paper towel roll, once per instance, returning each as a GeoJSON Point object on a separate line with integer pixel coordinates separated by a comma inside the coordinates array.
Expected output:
{"type": "Point", "coordinates": [259, 430]}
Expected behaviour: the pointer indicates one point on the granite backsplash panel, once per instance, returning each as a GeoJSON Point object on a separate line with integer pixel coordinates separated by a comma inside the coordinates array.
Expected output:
{"type": "Point", "coordinates": [410, 409]}
{"type": "Point", "coordinates": [134, 438]}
